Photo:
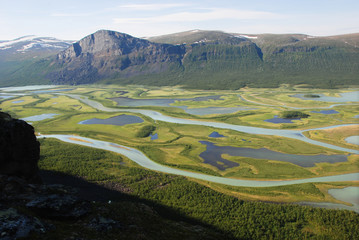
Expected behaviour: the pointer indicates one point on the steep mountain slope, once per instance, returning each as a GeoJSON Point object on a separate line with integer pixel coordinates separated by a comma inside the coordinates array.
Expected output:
{"type": "Point", "coordinates": [120, 58]}
{"type": "Point", "coordinates": [108, 54]}
{"type": "Point", "coordinates": [197, 59]}
{"type": "Point", "coordinates": [281, 58]}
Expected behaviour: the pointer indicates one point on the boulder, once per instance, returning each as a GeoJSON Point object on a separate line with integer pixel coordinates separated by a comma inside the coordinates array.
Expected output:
{"type": "Point", "coordinates": [15, 225]}
{"type": "Point", "coordinates": [19, 148]}
{"type": "Point", "coordinates": [58, 206]}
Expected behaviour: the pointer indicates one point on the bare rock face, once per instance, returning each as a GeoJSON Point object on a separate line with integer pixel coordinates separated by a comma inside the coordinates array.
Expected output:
{"type": "Point", "coordinates": [19, 148]}
{"type": "Point", "coordinates": [108, 54]}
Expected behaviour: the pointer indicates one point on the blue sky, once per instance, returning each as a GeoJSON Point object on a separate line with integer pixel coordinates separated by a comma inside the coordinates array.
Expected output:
{"type": "Point", "coordinates": [74, 19]}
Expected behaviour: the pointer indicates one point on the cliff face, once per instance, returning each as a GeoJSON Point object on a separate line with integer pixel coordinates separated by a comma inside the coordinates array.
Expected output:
{"type": "Point", "coordinates": [106, 54]}
{"type": "Point", "coordinates": [208, 60]}
{"type": "Point", "coordinates": [19, 148]}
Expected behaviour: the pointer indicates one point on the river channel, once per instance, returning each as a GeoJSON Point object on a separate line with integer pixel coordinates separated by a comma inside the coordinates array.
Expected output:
{"type": "Point", "coordinates": [138, 157]}
{"type": "Point", "coordinates": [157, 116]}
{"type": "Point", "coordinates": [141, 159]}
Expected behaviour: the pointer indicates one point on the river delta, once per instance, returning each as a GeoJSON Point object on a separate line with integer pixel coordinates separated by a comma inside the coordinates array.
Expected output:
{"type": "Point", "coordinates": [130, 111]}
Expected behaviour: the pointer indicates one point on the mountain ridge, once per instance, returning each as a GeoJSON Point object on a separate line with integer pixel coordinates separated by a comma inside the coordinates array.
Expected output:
{"type": "Point", "coordinates": [202, 59]}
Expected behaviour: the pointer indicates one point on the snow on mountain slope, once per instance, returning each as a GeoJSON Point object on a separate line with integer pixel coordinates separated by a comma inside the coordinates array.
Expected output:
{"type": "Point", "coordinates": [32, 42]}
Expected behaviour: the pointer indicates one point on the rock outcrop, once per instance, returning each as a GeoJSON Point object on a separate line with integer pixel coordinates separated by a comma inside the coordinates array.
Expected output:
{"type": "Point", "coordinates": [19, 148]}
{"type": "Point", "coordinates": [106, 54]}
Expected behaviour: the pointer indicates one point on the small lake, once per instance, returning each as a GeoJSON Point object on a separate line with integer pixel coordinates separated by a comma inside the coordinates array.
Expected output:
{"type": "Point", "coordinates": [344, 97]}
{"type": "Point", "coordinates": [352, 140]}
{"type": "Point", "coordinates": [120, 120]}
{"type": "Point", "coordinates": [215, 135]}
{"type": "Point", "coordinates": [326, 112]}
{"type": "Point", "coordinates": [39, 117]}
{"type": "Point", "coordinates": [154, 136]}
{"type": "Point", "coordinates": [18, 101]}
{"type": "Point", "coordinates": [348, 194]}
{"type": "Point", "coordinates": [276, 119]}
{"type": "Point", "coordinates": [213, 154]}
{"type": "Point", "coordinates": [6, 96]}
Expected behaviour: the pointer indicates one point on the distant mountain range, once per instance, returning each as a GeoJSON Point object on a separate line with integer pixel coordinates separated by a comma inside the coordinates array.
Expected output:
{"type": "Point", "coordinates": [194, 59]}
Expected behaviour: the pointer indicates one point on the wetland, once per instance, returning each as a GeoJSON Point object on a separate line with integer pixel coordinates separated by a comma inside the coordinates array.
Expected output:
{"type": "Point", "coordinates": [227, 141]}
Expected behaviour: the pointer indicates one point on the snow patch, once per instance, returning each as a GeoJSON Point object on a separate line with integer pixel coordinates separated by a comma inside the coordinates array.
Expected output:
{"type": "Point", "coordinates": [247, 36]}
{"type": "Point", "coordinates": [22, 39]}
{"type": "Point", "coordinates": [43, 42]}
{"type": "Point", "coordinates": [4, 48]}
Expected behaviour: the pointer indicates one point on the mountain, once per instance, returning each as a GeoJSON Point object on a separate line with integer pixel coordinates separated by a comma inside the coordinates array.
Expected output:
{"type": "Point", "coordinates": [17, 58]}
{"type": "Point", "coordinates": [31, 46]}
{"type": "Point", "coordinates": [200, 59]}
{"type": "Point", "coordinates": [197, 36]}
{"type": "Point", "coordinates": [109, 54]}
{"type": "Point", "coordinates": [114, 57]}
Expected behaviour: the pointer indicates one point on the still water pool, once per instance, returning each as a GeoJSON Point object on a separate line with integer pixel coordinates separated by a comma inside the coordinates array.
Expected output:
{"type": "Point", "coordinates": [120, 120]}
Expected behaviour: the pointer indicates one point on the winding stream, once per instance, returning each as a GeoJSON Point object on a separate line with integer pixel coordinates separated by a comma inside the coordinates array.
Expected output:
{"type": "Point", "coordinates": [141, 159]}
{"type": "Point", "coordinates": [294, 134]}
{"type": "Point", "coordinates": [138, 157]}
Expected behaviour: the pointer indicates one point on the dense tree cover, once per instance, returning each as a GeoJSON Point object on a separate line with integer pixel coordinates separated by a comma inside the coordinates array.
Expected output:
{"type": "Point", "coordinates": [242, 219]}
{"type": "Point", "coordinates": [293, 114]}
{"type": "Point", "coordinates": [311, 96]}
{"type": "Point", "coordinates": [145, 131]}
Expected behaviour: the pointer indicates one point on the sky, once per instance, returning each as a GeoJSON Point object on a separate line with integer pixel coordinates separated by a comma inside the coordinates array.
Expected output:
{"type": "Point", "coordinates": [75, 19]}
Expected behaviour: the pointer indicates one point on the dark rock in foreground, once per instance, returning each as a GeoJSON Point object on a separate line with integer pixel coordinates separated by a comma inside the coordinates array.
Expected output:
{"type": "Point", "coordinates": [19, 148]}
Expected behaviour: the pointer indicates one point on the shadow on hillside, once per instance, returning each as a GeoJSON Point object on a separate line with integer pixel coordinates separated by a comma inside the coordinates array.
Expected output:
{"type": "Point", "coordinates": [94, 192]}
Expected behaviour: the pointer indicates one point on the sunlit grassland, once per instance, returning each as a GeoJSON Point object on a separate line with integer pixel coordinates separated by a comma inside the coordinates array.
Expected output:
{"type": "Point", "coordinates": [17, 109]}
{"type": "Point", "coordinates": [335, 136]}
{"type": "Point", "coordinates": [228, 100]}
{"type": "Point", "coordinates": [314, 192]}
{"type": "Point", "coordinates": [60, 102]}
{"type": "Point", "coordinates": [44, 103]}
{"type": "Point", "coordinates": [283, 96]}
{"type": "Point", "coordinates": [69, 123]}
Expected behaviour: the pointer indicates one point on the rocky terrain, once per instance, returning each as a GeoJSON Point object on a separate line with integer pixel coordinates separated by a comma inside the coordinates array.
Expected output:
{"type": "Point", "coordinates": [107, 54]}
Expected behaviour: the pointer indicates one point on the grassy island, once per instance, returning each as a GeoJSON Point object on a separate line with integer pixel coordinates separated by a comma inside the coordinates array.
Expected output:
{"type": "Point", "coordinates": [311, 96]}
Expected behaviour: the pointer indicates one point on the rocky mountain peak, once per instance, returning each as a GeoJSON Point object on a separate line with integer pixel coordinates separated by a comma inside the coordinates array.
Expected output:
{"type": "Point", "coordinates": [108, 53]}
{"type": "Point", "coordinates": [104, 43]}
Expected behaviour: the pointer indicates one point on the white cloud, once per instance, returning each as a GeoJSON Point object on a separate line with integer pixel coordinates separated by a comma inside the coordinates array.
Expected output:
{"type": "Point", "coordinates": [207, 15]}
